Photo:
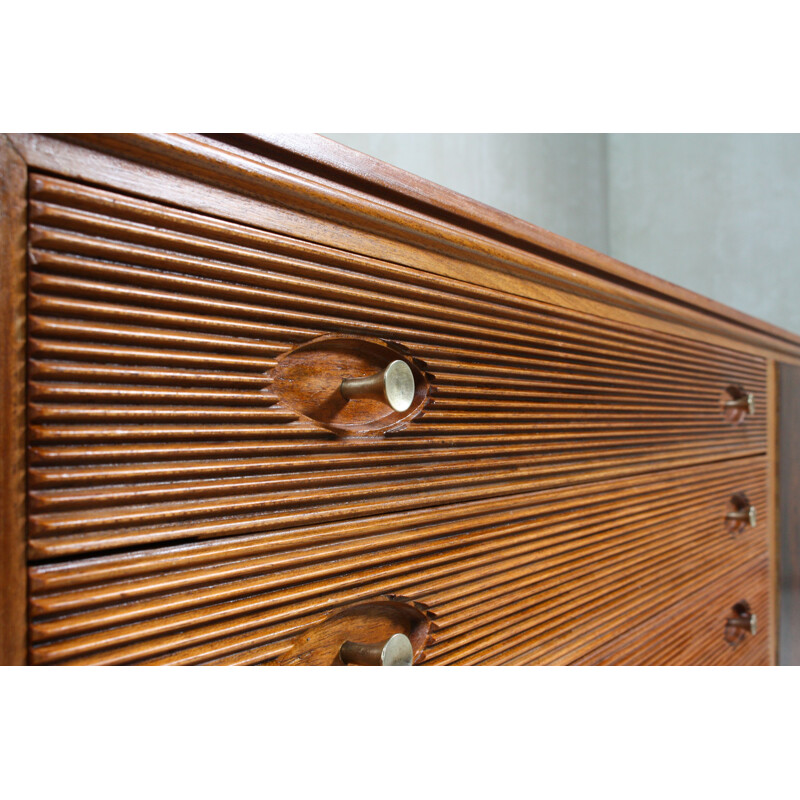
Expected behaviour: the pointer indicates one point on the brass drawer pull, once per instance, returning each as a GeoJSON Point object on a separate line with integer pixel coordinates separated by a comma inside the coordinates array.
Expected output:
{"type": "Point", "coordinates": [737, 404]}
{"type": "Point", "coordinates": [395, 652]}
{"type": "Point", "coordinates": [748, 623]}
{"type": "Point", "coordinates": [738, 626]}
{"type": "Point", "coordinates": [742, 513]}
{"type": "Point", "coordinates": [394, 385]}
{"type": "Point", "coordinates": [748, 515]}
{"type": "Point", "coordinates": [747, 403]}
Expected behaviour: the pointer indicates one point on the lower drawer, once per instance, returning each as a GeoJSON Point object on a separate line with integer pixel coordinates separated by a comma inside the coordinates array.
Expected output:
{"type": "Point", "coordinates": [691, 632]}
{"type": "Point", "coordinates": [546, 577]}
{"type": "Point", "coordinates": [660, 557]}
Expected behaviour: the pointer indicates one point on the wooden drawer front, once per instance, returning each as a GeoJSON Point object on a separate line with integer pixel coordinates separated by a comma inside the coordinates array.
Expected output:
{"type": "Point", "coordinates": [690, 631]}
{"type": "Point", "coordinates": [154, 331]}
{"type": "Point", "coordinates": [543, 577]}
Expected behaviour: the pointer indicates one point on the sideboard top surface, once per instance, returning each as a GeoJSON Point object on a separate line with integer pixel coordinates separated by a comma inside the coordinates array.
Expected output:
{"type": "Point", "coordinates": [309, 186]}
{"type": "Point", "coordinates": [337, 161]}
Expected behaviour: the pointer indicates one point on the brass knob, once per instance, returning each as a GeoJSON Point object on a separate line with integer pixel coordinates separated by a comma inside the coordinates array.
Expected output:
{"type": "Point", "coordinates": [743, 513]}
{"type": "Point", "coordinates": [738, 626]}
{"type": "Point", "coordinates": [747, 515]}
{"type": "Point", "coordinates": [395, 652]}
{"type": "Point", "coordinates": [394, 385]}
{"type": "Point", "coordinates": [748, 623]}
{"type": "Point", "coordinates": [737, 404]}
{"type": "Point", "coordinates": [747, 402]}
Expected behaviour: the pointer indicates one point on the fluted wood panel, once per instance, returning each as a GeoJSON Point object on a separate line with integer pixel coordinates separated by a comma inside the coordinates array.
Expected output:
{"type": "Point", "coordinates": [529, 580]}
{"type": "Point", "coordinates": [180, 514]}
{"type": "Point", "coordinates": [690, 632]}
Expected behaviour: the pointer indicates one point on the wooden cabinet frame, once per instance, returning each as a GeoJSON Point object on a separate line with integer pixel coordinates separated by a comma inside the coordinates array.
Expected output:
{"type": "Point", "coordinates": [313, 189]}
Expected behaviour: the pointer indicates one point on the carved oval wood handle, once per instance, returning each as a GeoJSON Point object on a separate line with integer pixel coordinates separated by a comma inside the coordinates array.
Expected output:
{"type": "Point", "coordinates": [395, 652]}
{"type": "Point", "coordinates": [394, 385]}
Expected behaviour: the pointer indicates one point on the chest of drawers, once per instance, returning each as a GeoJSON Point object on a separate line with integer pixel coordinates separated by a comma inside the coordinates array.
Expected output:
{"type": "Point", "coordinates": [570, 462]}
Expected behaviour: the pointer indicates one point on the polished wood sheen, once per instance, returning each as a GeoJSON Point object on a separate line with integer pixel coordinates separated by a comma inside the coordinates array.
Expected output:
{"type": "Point", "coordinates": [13, 589]}
{"type": "Point", "coordinates": [199, 490]}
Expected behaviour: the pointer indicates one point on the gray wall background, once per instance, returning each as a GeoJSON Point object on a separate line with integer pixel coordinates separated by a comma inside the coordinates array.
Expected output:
{"type": "Point", "coordinates": [716, 213]}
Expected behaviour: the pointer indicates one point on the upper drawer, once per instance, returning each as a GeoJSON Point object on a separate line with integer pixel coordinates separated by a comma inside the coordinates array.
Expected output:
{"type": "Point", "coordinates": [154, 334]}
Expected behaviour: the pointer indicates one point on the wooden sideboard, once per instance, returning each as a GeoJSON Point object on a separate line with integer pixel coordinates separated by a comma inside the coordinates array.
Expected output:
{"type": "Point", "coordinates": [557, 459]}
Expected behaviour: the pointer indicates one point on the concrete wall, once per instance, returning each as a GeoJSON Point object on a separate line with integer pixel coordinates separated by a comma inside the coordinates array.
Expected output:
{"type": "Point", "coordinates": [716, 213]}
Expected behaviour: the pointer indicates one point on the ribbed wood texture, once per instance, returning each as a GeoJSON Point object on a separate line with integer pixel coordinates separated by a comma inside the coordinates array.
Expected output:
{"type": "Point", "coordinates": [518, 506]}
{"type": "Point", "coordinates": [548, 577]}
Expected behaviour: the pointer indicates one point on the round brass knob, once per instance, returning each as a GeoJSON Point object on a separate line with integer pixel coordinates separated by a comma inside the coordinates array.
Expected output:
{"type": "Point", "coordinates": [747, 515]}
{"type": "Point", "coordinates": [747, 402]}
{"type": "Point", "coordinates": [394, 385]}
{"type": "Point", "coordinates": [749, 623]}
{"type": "Point", "coordinates": [743, 622]}
{"type": "Point", "coordinates": [395, 652]}
{"type": "Point", "coordinates": [743, 513]}
{"type": "Point", "coordinates": [737, 404]}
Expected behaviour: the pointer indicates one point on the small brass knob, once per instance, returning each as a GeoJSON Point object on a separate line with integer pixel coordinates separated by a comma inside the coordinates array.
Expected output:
{"type": "Point", "coordinates": [737, 404]}
{"type": "Point", "coordinates": [742, 513]}
{"type": "Point", "coordinates": [395, 652]}
{"type": "Point", "coordinates": [394, 385]}
{"type": "Point", "coordinates": [747, 402]}
{"type": "Point", "coordinates": [748, 623]}
{"type": "Point", "coordinates": [743, 621]}
{"type": "Point", "coordinates": [747, 515]}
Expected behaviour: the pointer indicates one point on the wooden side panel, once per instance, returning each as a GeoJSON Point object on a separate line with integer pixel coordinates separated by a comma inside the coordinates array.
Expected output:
{"type": "Point", "coordinates": [13, 626]}
{"type": "Point", "coordinates": [789, 514]}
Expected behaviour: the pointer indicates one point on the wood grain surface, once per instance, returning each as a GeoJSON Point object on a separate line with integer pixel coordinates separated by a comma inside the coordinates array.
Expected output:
{"type": "Point", "coordinates": [246, 186]}
{"type": "Point", "coordinates": [370, 623]}
{"type": "Point", "coordinates": [328, 160]}
{"type": "Point", "coordinates": [13, 619]}
{"type": "Point", "coordinates": [133, 445]}
{"type": "Point", "coordinates": [568, 472]}
{"type": "Point", "coordinates": [533, 575]}
{"type": "Point", "coordinates": [557, 496]}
